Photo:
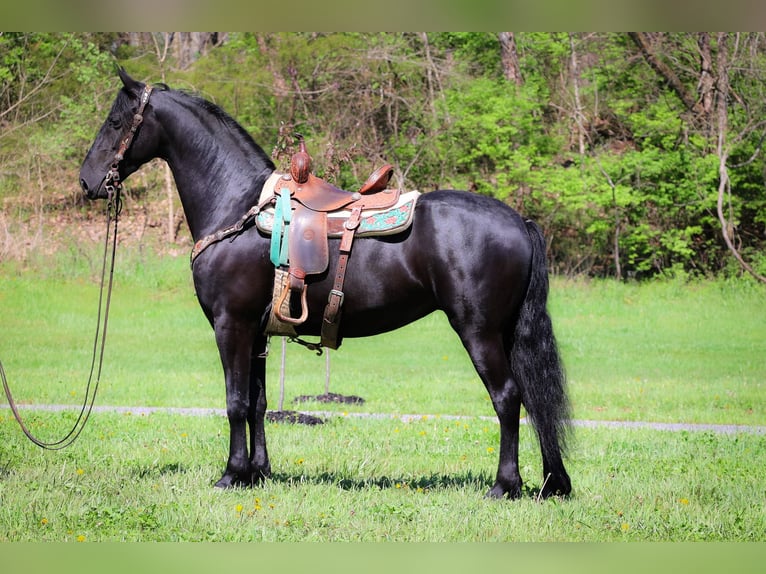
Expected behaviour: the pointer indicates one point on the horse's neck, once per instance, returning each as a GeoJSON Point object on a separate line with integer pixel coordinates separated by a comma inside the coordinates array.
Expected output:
{"type": "Point", "coordinates": [217, 177]}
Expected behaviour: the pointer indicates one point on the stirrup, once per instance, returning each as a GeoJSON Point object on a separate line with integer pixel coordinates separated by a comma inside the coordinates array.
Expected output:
{"type": "Point", "coordinates": [304, 307]}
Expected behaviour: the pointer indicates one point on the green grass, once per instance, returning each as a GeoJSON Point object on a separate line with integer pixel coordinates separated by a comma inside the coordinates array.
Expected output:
{"type": "Point", "coordinates": [664, 352]}
{"type": "Point", "coordinates": [668, 352]}
{"type": "Point", "coordinates": [149, 478]}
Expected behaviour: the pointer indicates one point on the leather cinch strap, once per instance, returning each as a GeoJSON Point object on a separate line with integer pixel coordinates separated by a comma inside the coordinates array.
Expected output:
{"type": "Point", "coordinates": [332, 311]}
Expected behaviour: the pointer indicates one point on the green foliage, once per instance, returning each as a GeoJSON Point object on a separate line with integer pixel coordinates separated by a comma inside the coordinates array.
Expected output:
{"type": "Point", "coordinates": [478, 52]}
{"type": "Point", "coordinates": [91, 79]}
{"type": "Point", "coordinates": [604, 155]}
{"type": "Point", "coordinates": [53, 95]}
{"type": "Point", "coordinates": [496, 136]}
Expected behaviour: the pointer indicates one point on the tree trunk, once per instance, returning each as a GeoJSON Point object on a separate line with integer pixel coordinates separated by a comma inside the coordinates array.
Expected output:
{"type": "Point", "coordinates": [578, 114]}
{"type": "Point", "coordinates": [432, 74]}
{"type": "Point", "coordinates": [280, 84]}
{"type": "Point", "coordinates": [510, 57]}
{"type": "Point", "coordinates": [724, 184]}
{"type": "Point", "coordinates": [617, 217]}
{"type": "Point", "coordinates": [643, 43]}
{"type": "Point", "coordinates": [706, 85]}
{"type": "Point", "coordinates": [190, 46]}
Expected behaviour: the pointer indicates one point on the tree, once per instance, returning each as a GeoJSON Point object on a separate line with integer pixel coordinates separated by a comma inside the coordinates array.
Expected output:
{"type": "Point", "coordinates": [28, 65]}
{"type": "Point", "coordinates": [724, 186]}
{"type": "Point", "coordinates": [638, 153]}
{"type": "Point", "coordinates": [644, 43]}
{"type": "Point", "coordinates": [510, 57]}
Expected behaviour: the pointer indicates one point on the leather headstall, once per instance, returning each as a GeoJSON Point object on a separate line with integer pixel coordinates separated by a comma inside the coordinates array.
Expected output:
{"type": "Point", "coordinates": [112, 183]}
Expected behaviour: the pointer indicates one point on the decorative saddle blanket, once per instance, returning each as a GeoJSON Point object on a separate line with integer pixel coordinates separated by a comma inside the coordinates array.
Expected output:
{"type": "Point", "coordinates": [373, 222]}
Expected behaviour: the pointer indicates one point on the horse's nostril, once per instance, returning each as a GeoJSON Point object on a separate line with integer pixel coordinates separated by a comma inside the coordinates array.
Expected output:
{"type": "Point", "coordinates": [84, 185]}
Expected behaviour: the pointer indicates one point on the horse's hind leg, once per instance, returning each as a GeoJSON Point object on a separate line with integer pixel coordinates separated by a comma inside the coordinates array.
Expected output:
{"type": "Point", "coordinates": [259, 456]}
{"type": "Point", "coordinates": [489, 358]}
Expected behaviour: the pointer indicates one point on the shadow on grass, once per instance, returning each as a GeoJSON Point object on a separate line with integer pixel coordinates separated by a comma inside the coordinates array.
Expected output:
{"type": "Point", "coordinates": [469, 480]}
{"type": "Point", "coordinates": [5, 469]}
{"type": "Point", "coordinates": [479, 482]}
{"type": "Point", "coordinates": [156, 470]}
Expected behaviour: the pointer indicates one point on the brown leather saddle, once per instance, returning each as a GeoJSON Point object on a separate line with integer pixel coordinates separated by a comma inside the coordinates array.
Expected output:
{"type": "Point", "coordinates": [306, 201]}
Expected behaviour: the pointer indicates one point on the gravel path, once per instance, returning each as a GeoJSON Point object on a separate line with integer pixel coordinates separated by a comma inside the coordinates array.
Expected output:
{"type": "Point", "coordinates": [192, 411]}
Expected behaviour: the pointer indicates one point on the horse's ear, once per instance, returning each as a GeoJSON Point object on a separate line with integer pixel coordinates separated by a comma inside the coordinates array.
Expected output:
{"type": "Point", "coordinates": [133, 86]}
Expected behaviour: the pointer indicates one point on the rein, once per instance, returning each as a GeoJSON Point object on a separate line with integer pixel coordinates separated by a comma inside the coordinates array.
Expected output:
{"type": "Point", "coordinates": [112, 213]}
{"type": "Point", "coordinates": [113, 187]}
{"type": "Point", "coordinates": [239, 226]}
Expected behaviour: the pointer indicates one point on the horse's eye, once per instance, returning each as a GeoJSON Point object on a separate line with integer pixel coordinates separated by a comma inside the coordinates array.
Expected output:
{"type": "Point", "coordinates": [115, 123]}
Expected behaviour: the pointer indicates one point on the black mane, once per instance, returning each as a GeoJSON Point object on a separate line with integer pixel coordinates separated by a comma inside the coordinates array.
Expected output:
{"type": "Point", "coordinates": [243, 137]}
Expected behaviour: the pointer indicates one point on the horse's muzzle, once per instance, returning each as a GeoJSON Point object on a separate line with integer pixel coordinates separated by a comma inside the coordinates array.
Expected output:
{"type": "Point", "coordinates": [95, 192]}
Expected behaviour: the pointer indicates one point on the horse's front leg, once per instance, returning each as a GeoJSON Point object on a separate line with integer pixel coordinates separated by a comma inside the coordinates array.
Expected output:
{"type": "Point", "coordinates": [259, 456]}
{"type": "Point", "coordinates": [235, 344]}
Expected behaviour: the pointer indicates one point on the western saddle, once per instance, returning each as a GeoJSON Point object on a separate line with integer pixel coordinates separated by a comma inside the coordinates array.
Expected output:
{"type": "Point", "coordinates": [299, 239]}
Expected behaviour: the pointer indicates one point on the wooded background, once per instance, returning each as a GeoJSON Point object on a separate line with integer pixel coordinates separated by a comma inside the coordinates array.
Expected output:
{"type": "Point", "coordinates": [640, 154]}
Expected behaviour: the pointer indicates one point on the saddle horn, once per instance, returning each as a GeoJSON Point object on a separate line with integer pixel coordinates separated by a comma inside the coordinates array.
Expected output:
{"type": "Point", "coordinates": [300, 162]}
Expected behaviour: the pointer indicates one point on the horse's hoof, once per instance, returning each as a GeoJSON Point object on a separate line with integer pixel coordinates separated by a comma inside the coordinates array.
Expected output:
{"type": "Point", "coordinates": [550, 491]}
{"type": "Point", "coordinates": [261, 474]}
{"type": "Point", "coordinates": [235, 480]}
{"type": "Point", "coordinates": [558, 486]}
{"type": "Point", "coordinates": [498, 491]}
{"type": "Point", "coordinates": [228, 480]}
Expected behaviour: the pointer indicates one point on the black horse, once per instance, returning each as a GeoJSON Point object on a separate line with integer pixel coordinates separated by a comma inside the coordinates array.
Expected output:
{"type": "Point", "coordinates": [470, 256]}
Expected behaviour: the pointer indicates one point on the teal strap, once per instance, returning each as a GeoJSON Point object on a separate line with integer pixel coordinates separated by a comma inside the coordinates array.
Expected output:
{"type": "Point", "coordinates": [276, 235]}
{"type": "Point", "coordinates": [287, 216]}
{"type": "Point", "coordinates": [280, 232]}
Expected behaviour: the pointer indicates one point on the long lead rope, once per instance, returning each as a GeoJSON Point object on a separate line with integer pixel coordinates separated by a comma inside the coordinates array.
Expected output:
{"type": "Point", "coordinates": [113, 186]}
{"type": "Point", "coordinates": [113, 208]}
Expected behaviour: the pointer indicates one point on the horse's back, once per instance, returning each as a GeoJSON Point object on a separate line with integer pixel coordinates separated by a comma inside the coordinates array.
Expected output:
{"type": "Point", "coordinates": [462, 252]}
{"type": "Point", "coordinates": [470, 218]}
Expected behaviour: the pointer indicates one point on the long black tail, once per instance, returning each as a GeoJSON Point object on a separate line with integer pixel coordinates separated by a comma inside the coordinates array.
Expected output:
{"type": "Point", "coordinates": [535, 360]}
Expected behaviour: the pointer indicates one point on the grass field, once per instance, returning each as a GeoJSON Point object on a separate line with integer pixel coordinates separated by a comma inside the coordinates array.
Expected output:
{"type": "Point", "coordinates": [664, 352]}
{"type": "Point", "coordinates": [149, 478]}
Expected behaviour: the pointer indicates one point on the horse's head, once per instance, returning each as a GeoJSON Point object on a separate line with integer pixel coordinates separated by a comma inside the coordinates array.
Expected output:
{"type": "Point", "coordinates": [124, 142]}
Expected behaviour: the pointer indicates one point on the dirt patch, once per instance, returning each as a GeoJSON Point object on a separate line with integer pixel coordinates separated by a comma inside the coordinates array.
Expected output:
{"type": "Point", "coordinates": [293, 417]}
{"type": "Point", "coordinates": [65, 221]}
{"type": "Point", "coordinates": [330, 398]}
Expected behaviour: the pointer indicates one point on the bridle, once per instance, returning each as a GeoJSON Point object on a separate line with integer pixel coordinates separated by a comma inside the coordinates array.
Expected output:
{"type": "Point", "coordinates": [112, 183]}
{"type": "Point", "coordinates": [113, 186]}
